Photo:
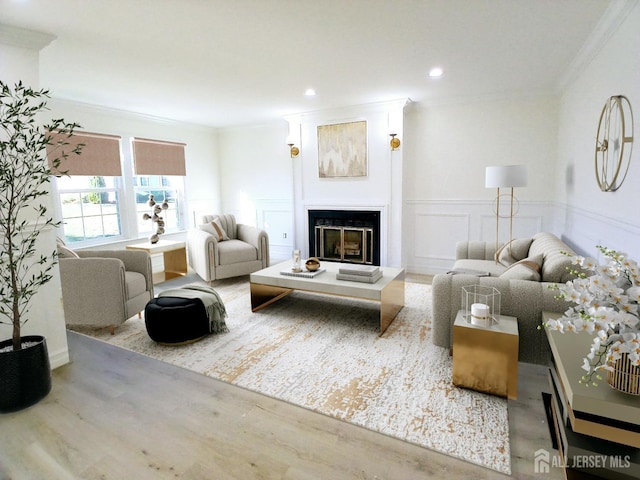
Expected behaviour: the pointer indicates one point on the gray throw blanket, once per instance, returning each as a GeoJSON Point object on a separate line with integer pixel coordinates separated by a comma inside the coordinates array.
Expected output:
{"type": "Point", "coordinates": [216, 312]}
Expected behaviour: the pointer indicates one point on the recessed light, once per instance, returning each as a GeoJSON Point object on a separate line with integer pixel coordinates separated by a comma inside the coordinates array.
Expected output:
{"type": "Point", "coordinates": [310, 92]}
{"type": "Point", "coordinates": [435, 72]}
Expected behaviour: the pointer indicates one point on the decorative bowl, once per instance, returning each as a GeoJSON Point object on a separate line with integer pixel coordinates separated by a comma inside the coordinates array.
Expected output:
{"type": "Point", "coordinates": [312, 264]}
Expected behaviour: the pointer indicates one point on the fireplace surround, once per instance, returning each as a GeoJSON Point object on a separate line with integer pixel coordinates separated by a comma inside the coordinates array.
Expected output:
{"type": "Point", "coordinates": [347, 236]}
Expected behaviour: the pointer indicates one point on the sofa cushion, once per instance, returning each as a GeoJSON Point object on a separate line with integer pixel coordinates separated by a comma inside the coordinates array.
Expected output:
{"type": "Point", "coordinates": [486, 266]}
{"type": "Point", "coordinates": [135, 284]}
{"type": "Point", "coordinates": [511, 252]}
{"type": "Point", "coordinates": [555, 262]}
{"type": "Point", "coordinates": [236, 251]}
{"type": "Point", "coordinates": [526, 269]}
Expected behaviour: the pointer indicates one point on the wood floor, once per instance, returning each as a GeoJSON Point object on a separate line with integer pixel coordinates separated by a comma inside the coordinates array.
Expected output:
{"type": "Point", "coordinates": [115, 414]}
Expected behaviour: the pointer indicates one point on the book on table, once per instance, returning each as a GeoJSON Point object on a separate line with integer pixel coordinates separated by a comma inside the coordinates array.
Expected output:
{"type": "Point", "coordinates": [362, 270]}
{"type": "Point", "coordinates": [303, 273]}
{"type": "Point", "coordinates": [360, 278]}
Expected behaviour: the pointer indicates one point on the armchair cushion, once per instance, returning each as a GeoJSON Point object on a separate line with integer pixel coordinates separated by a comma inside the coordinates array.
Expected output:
{"type": "Point", "coordinates": [66, 252]}
{"type": "Point", "coordinates": [236, 251]}
{"type": "Point", "coordinates": [136, 284]}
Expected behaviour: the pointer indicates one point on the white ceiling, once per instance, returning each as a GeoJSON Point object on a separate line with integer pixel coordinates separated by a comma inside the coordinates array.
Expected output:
{"type": "Point", "coordinates": [232, 62]}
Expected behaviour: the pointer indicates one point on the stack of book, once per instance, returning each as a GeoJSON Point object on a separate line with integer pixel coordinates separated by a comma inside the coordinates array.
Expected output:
{"type": "Point", "coordinates": [360, 273]}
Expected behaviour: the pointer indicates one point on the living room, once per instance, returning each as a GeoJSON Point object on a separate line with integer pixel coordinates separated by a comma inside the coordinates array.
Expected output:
{"type": "Point", "coordinates": [431, 190]}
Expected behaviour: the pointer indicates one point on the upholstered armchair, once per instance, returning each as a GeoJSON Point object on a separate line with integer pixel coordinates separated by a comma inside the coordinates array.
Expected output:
{"type": "Point", "coordinates": [221, 248]}
{"type": "Point", "coordinates": [104, 288]}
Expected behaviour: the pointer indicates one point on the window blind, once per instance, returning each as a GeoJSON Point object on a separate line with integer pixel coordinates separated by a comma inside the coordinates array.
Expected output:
{"type": "Point", "coordinates": [100, 154]}
{"type": "Point", "coordinates": [155, 157]}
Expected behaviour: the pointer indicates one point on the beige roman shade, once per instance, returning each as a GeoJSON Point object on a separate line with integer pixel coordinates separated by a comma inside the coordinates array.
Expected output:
{"type": "Point", "coordinates": [155, 157]}
{"type": "Point", "coordinates": [100, 154]}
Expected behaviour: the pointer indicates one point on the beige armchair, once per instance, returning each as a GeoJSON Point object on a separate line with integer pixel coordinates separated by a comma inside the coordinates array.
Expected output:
{"type": "Point", "coordinates": [221, 248]}
{"type": "Point", "coordinates": [104, 288]}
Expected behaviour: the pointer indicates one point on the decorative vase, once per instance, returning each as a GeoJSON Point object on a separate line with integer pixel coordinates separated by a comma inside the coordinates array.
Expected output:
{"type": "Point", "coordinates": [25, 375]}
{"type": "Point", "coordinates": [625, 376]}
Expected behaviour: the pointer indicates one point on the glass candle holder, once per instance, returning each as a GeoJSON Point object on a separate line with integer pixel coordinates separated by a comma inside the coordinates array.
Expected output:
{"type": "Point", "coordinates": [297, 262]}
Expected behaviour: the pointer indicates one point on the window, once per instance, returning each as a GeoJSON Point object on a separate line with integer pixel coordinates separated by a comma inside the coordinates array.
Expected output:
{"type": "Point", "coordinates": [159, 169]}
{"type": "Point", "coordinates": [163, 188]}
{"type": "Point", "coordinates": [90, 207]}
{"type": "Point", "coordinates": [104, 191]}
{"type": "Point", "coordinates": [90, 193]}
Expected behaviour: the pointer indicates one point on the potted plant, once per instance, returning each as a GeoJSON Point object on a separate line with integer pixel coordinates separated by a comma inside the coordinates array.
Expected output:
{"type": "Point", "coordinates": [25, 374]}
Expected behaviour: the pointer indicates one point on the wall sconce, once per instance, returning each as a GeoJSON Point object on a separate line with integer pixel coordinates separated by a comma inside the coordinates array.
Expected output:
{"type": "Point", "coordinates": [293, 150]}
{"type": "Point", "coordinates": [394, 142]}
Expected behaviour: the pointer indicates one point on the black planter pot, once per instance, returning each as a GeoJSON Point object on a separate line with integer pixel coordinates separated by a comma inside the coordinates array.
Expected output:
{"type": "Point", "coordinates": [25, 375]}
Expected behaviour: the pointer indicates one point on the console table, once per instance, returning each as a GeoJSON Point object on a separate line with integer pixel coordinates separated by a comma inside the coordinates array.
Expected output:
{"type": "Point", "coordinates": [597, 428]}
{"type": "Point", "coordinates": [174, 255]}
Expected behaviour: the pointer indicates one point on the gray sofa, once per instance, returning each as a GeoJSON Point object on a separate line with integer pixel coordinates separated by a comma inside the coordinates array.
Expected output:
{"type": "Point", "coordinates": [523, 275]}
{"type": "Point", "coordinates": [221, 248]}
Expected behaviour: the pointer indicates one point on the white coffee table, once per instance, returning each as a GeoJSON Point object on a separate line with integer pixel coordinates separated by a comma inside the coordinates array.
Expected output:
{"type": "Point", "coordinates": [269, 285]}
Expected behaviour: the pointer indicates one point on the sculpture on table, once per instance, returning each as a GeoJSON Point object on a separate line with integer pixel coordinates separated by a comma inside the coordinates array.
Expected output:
{"type": "Point", "coordinates": [155, 217]}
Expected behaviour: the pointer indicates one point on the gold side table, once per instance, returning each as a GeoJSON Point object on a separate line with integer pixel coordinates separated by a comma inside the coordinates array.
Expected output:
{"type": "Point", "coordinates": [485, 359]}
{"type": "Point", "coordinates": [174, 255]}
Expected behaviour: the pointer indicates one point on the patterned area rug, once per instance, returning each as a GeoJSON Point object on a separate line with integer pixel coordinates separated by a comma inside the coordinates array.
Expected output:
{"type": "Point", "coordinates": [325, 354]}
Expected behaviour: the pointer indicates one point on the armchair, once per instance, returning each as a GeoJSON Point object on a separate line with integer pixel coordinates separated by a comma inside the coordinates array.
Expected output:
{"type": "Point", "coordinates": [221, 248]}
{"type": "Point", "coordinates": [104, 288]}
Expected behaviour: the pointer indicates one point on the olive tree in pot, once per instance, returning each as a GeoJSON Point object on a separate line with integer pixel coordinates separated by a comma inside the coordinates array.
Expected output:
{"type": "Point", "coordinates": [25, 373]}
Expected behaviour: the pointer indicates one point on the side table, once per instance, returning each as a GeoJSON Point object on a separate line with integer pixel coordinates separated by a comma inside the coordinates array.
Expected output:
{"type": "Point", "coordinates": [595, 423]}
{"type": "Point", "coordinates": [174, 255]}
{"type": "Point", "coordinates": [486, 358]}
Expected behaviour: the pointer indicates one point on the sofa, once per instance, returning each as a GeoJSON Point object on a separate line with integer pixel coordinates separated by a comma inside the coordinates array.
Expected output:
{"type": "Point", "coordinates": [524, 271]}
{"type": "Point", "coordinates": [104, 288]}
{"type": "Point", "coordinates": [222, 248]}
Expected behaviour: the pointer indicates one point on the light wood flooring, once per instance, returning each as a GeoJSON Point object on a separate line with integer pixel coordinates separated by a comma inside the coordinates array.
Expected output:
{"type": "Point", "coordinates": [115, 414]}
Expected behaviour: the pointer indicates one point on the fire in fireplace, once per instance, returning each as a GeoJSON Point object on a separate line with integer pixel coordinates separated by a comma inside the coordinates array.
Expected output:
{"type": "Point", "coordinates": [349, 236]}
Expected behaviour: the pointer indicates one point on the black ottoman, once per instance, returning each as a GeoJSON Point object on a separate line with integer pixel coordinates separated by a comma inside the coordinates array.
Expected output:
{"type": "Point", "coordinates": [175, 320]}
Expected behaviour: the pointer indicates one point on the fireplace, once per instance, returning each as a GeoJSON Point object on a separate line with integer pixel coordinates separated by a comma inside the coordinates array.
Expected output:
{"type": "Point", "coordinates": [348, 236]}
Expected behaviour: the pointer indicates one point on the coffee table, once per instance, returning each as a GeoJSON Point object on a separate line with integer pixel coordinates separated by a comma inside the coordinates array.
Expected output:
{"type": "Point", "coordinates": [269, 285]}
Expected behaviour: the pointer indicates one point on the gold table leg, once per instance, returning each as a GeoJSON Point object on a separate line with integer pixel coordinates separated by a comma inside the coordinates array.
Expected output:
{"type": "Point", "coordinates": [263, 295]}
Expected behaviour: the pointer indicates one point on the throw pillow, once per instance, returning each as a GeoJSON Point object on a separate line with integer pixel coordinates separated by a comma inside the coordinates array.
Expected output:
{"type": "Point", "coordinates": [65, 252]}
{"type": "Point", "coordinates": [526, 269]}
{"type": "Point", "coordinates": [222, 235]}
{"type": "Point", "coordinates": [513, 251]}
{"type": "Point", "coordinates": [215, 229]}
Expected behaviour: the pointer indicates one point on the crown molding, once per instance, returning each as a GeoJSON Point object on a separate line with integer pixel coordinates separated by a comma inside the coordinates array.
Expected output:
{"type": "Point", "coordinates": [21, 37]}
{"type": "Point", "coordinates": [610, 22]}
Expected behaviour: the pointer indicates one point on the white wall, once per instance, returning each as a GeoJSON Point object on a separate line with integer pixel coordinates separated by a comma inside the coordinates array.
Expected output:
{"type": "Point", "coordinates": [257, 185]}
{"type": "Point", "coordinates": [19, 60]}
{"type": "Point", "coordinates": [448, 147]}
{"type": "Point", "coordinates": [591, 216]}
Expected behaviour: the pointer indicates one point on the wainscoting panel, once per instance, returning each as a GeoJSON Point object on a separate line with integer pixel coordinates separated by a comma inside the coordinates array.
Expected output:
{"type": "Point", "coordinates": [432, 228]}
{"type": "Point", "coordinates": [584, 230]}
{"type": "Point", "coordinates": [276, 218]}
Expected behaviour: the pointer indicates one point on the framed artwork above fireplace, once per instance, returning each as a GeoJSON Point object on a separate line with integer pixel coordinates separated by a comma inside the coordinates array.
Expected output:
{"type": "Point", "coordinates": [342, 150]}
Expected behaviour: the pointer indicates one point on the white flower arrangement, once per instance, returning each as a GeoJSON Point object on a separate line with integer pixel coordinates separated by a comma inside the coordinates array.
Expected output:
{"type": "Point", "coordinates": [606, 306]}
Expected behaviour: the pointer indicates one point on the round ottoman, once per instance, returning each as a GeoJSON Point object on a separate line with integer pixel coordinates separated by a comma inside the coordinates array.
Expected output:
{"type": "Point", "coordinates": [175, 320]}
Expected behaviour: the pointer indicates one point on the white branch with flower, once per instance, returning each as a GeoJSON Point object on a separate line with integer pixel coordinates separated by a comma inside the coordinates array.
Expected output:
{"type": "Point", "coordinates": [606, 299]}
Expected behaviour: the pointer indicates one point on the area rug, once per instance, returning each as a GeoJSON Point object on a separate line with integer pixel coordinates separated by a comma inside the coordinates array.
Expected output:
{"type": "Point", "coordinates": [325, 354]}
